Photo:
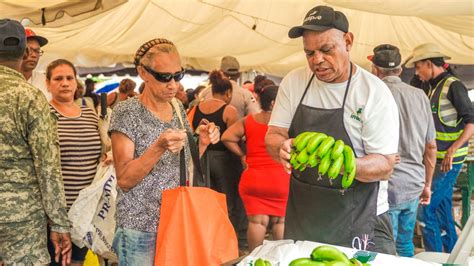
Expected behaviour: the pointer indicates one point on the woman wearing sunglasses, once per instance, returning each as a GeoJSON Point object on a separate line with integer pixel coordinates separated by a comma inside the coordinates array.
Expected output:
{"type": "Point", "coordinates": [146, 140]}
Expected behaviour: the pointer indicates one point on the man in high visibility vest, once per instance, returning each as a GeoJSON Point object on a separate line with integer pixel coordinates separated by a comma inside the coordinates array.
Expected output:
{"type": "Point", "coordinates": [453, 116]}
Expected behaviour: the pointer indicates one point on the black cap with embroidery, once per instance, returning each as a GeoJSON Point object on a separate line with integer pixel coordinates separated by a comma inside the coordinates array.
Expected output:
{"type": "Point", "coordinates": [12, 35]}
{"type": "Point", "coordinates": [321, 18]}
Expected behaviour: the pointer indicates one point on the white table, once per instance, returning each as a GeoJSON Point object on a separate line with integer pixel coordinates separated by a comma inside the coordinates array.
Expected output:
{"type": "Point", "coordinates": [282, 252]}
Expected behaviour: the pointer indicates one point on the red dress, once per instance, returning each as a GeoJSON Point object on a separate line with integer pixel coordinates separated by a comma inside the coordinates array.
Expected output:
{"type": "Point", "coordinates": [264, 185]}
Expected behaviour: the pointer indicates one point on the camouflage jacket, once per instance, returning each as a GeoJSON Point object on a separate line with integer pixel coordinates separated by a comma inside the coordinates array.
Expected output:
{"type": "Point", "coordinates": [31, 184]}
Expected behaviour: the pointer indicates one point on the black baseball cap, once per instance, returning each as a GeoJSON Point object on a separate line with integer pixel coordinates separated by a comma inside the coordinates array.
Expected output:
{"type": "Point", "coordinates": [12, 36]}
{"type": "Point", "coordinates": [386, 55]}
{"type": "Point", "coordinates": [321, 18]}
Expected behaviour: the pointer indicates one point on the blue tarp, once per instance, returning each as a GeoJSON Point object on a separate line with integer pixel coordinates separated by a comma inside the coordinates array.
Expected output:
{"type": "Point", "coordinates": [107, 88]}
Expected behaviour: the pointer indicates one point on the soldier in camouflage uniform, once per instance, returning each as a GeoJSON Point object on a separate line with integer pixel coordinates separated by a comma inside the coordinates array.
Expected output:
{"type": "Point", "coordinates": [31, 190]}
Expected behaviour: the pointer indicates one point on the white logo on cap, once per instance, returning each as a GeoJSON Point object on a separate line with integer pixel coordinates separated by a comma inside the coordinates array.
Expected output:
{"type": "Point", "coordinates": [310, 18]}
{"type": "Point", "coordinates": [391, 64]}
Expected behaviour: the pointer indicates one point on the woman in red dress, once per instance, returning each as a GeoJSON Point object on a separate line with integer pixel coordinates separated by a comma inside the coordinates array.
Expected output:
{"type": "Point", "coordinates": [264, 184]}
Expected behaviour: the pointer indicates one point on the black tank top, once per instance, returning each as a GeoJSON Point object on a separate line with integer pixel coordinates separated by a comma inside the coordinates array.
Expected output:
{"type": "Point", "coordinates": [218, 118]}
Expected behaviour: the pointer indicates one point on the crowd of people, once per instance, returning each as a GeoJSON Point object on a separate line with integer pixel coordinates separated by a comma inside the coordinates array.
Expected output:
{"type": "Point", "coordinates": [410, 145]}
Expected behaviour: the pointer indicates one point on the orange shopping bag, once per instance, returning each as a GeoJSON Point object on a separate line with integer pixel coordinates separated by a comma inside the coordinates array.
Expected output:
{"type": "Point", "coordinates": [194, 228]}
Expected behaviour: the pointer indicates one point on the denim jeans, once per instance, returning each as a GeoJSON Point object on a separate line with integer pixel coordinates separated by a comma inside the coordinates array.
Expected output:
{"type": "Point", "coordinates": [439, 231]}
{"type": "Point", "coordinates": [403, 217]}
{"type": "Point", "coordinates": [134, 248]}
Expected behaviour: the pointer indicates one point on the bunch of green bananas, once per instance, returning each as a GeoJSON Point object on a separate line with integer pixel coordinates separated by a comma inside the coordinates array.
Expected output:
{"type": "Point", "coordinates": [326, 256]}
{"type": "Point", "coordinates": [313, 148]}
{"type": "Point", "coordinates": [262, 262]}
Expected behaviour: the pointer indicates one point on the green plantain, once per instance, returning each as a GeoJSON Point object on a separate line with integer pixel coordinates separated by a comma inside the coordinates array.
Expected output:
{"type": "Point", "coordinates": [304, 141]}
{"type": "Point", "coordinates": [329, 253]}
{"type": "Point", "coordinates": [325, 147]}
{"type": "Point", "coordinates": [349, 167]}
{"type": "Point", "coordinates": [337, 149]}
{"type": "Point", "coordinates": [335, 168]}
{"type": "Point", "coordinates": [315, 141]}
{"type": "Point", "coordinates": [324, 164]}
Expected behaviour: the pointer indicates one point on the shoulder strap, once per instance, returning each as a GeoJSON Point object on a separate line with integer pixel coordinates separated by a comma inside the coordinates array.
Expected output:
{"type": "Point", "coordinates": [176, 108]}
{"type": "Point", "coordinates": [190, 116]}
{"type": "Point", "coordinates": [194, 153]}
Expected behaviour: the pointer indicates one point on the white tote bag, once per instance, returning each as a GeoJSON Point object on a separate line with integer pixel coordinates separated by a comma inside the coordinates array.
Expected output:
{"type": "Point", "coordinates": [92, 215]}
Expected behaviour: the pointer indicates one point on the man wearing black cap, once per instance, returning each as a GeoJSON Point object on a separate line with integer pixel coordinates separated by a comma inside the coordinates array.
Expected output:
{"type": "Point", "coordinates": [28, 66]}
{"type": "Point", "coordinates": [31, 189]}
{"type": "Point", "coordinates": [242, 99]}
{"type": "Point", "coordinates": [410, 183]}
{"type": "Point", "coordinates": [336, 97]}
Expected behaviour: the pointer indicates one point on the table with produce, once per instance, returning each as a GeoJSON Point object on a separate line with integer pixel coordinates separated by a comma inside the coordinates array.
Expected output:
{"type": "Point", "coordinates": [308, 253]}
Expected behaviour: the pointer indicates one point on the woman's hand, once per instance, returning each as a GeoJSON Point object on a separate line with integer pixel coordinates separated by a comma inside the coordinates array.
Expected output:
{"type": "Point", "coordinates": [172, 140]}
{"type": "Point", "coordinates": [208, 134]}
{"type": "Point", "coordinates": [107, 158]}
{"type": "Point", "coordinates": [243, 160]}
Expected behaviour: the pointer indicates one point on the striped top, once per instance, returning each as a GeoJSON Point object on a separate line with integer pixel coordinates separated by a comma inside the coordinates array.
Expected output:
{"type": "Point", "coordinates": [80, 146]}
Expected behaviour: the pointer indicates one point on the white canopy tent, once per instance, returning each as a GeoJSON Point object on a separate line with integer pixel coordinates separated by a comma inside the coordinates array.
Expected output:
{"type": "Point", "coordinates": [254, 31]}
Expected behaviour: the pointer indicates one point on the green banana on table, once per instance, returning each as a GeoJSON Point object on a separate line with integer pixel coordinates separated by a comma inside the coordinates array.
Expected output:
{"type": "Point", "coordinates": [326, 256]}
{"type": "Point", "coordinates": [331, 156]}
{"type": "Point", "coordinates": [306, 262]}
{"type": "Point", "coordinates": [355, 262]}
{"type": "Point", "coordinates": [329, 253]}
{"type": "Point", "coordinates": [262, 262]}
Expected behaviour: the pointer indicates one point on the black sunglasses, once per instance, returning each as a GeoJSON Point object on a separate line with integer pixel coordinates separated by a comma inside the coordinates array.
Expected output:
{"type": "Point", "coordinates": [165, 77]}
